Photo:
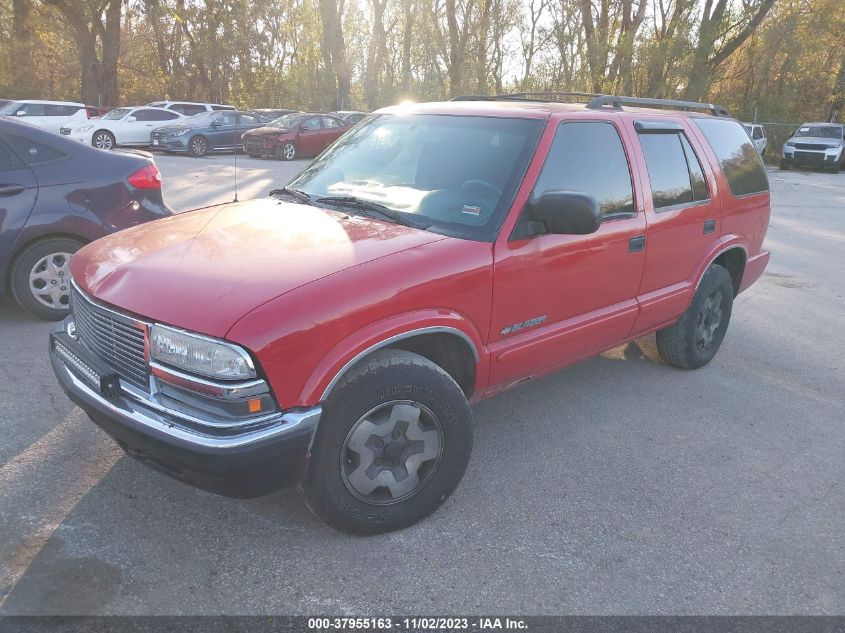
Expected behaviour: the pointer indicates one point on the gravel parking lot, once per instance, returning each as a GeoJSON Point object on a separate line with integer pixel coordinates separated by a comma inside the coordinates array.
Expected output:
{"type": "Point", "coordinates": [618, 486]}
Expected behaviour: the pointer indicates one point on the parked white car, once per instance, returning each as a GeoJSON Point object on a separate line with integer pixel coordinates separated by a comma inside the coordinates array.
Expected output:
{"type": "Point", "coordinates": [121, 126]}
{"type": "Point", "coordinates": [190, 108]}
{"type": "Point", "coordinates": [757, 133]}
{"type": "Point", "coordinates": [50, 115]}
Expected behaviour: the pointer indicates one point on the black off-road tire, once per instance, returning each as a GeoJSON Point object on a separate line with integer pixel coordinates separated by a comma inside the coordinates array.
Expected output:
{"type": "Point", "coordinates": [385, 377]}
{"type": "Point", "coordinates": [680, 345]}
{"type": "Point", "coordinates": [784, 164]}
{"type": "Point", "coordinates": [23, 266]}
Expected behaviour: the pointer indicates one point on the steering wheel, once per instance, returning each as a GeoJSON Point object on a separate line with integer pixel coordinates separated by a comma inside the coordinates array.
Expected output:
{"type": "Point", "coordinates": [480, 186]}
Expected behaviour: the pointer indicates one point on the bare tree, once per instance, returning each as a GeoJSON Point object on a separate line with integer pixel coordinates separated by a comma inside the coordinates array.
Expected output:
{"type": "Point", "coordinates": [719, 37]}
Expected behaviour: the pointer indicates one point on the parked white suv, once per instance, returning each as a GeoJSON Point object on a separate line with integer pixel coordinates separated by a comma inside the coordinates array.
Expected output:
{"type": "Point", "coordinates": [757, 133]}
{"type": "Point", "coordinates": [189, 108]}
{"type": "Point", "coordinates": [121, 126]}
{"type": "Point", "coordinates": [50, 115]}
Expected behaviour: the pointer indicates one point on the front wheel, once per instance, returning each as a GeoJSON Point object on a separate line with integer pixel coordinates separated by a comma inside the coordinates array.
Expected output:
{"type": "Point", "coordinates": [198, 147]}
{"type": "Point", "coordinates": [41, 277]}
{"type": "Point", "coordinates": [103, 139]}
{"type": "Point", "coordinates": [393, 444]}
{"type": "Point", "coordinates": [694, 340]}
{"type": "Point", "coordinates": [286, 151]}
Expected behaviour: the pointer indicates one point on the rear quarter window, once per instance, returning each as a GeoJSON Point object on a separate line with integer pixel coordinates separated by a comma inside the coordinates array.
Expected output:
{"type": "Point", "coordinates": [736, 154]}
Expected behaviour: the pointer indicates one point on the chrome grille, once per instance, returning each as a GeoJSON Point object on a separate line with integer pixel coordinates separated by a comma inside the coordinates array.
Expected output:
{"type": "Point", "coordinates": [116, 339]}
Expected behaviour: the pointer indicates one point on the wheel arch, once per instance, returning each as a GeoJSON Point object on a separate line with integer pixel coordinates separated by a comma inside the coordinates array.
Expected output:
{"type": "Point", "coordinates": [732, 255]}
{"type": "Point", "coordinates": [451, 347]}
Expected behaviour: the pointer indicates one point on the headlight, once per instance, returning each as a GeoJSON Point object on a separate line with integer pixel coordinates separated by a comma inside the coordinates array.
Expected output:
{"type": "Point", "coordinates": [789, 144]}
{"type": "Point", "coordinates": [200, 354]}
{"type": "Point", "coordinates": [180, 132]}
{"type": "Point", "coordinates": [86, 128]}
{"type": "Point", "coordinates": [833, 148]}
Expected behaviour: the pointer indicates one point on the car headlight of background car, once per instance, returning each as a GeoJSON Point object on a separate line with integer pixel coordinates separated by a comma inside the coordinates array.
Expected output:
{"type": "Point", "coordinates": [199, 354]}
{"type": "Point", "coordinates": [85, 128]}
{"type": "Point", "coordinates": [180, 132]}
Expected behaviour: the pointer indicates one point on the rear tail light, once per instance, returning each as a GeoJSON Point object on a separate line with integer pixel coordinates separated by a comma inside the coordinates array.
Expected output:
{"type": "Point", "coordinates": [147, 177]}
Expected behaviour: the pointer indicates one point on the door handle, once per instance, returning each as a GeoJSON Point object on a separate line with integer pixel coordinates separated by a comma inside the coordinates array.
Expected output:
{"type": "Point", "coordinates": [709, 226]}
{"type": "Point", "coordinates": [11, 190]}
{"type": "Point", "coordinates": [636, 244]}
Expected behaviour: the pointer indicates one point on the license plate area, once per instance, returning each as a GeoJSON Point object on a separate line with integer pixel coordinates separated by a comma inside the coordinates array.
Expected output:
{"type": "Point", "coordinates": [90, 369]}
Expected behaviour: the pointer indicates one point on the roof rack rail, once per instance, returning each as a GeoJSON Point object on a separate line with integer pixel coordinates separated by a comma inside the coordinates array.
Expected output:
{"type": "Point", "coordinates": [617, 102]}
{"type": "Point", "coordinates": [528, 96]}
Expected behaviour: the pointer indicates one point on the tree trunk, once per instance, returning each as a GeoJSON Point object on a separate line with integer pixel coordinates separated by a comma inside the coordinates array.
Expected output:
{"type": "Point", "coordinates": [22, 47]}
{"type": "Point", "coordinates": [375, 55]}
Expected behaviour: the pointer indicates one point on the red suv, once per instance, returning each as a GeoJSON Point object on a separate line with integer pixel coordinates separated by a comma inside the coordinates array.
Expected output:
{"type": "Point", "coordinates": [335, 333]}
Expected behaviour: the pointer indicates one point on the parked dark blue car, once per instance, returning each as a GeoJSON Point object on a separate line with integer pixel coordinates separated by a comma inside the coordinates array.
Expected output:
{"type": "Point", "coordinates": [206, 132]}
{"type": "Point", "coordinates": [55, 196]}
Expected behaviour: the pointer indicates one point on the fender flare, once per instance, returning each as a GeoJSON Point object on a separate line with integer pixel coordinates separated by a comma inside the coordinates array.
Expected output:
{"type": "Point", "coordinates": [727, 243]}
{"type": "Point", "coordinates": [383, 333]}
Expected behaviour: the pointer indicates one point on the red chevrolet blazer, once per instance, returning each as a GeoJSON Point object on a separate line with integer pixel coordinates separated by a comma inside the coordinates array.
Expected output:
{"type": "Point", "coordinates": [334, 333]}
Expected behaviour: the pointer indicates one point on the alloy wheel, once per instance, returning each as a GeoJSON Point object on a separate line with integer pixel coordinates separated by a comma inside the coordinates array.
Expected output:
{"type": "Point", "coordinates": [290, 151]}
{"type": "Point", "coordinates": [198, 146]}
{"type": "Point", "coordinates": [708, 320]}
{"type": "Point", "coordinates": [391, 452]}
{"type": "Point", "coordinates": [103, 141]}
{"type": "Point", "coordinates": [49, 280]}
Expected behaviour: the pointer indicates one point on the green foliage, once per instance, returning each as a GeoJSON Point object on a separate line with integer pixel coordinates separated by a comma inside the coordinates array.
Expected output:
{"type": "Point", "coordinates": [788, 66]}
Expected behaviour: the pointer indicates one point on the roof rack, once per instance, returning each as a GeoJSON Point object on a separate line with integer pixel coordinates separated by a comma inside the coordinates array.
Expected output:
{"type": "Point", "coordinates": [617, 102]}
{"type": "Point", "coordinates": [529, 96]}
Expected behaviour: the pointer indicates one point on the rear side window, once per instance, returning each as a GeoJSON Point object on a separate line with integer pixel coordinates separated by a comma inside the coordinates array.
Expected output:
{"type": "Point", "coordinates": [329, 123]}
{"type": "Point", "coordinates": [587, 156]}
{"type": "Point", "coordinates": [8, 160]}
{"type": "Point", "coordinates": [673, 169]}
{"type": "Point", "coordinates": [154, 115]}
{"type": "Point", "coordinates": [188, 109]}
{"type": "Point", "coordinates": [33, 153]}
{"type": "Point", "coordinates": [60, 110]}
{"type": "Point", "coordinates": [737, 156]}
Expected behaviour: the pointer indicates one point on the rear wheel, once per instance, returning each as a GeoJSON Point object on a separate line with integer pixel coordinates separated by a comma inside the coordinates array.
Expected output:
{"type": "Point", "coordinates": [393, 444]}
{"type": "Point", "coordinates": [198, 146]}
{"type": "Point", "coordinates": [694, 340]}
{"type": "Point", "coordinates": [103, 139]}
{"type": "Point", "coordinates": [41, 277]}
{"type": "Point", "coordinates": [784, 164]}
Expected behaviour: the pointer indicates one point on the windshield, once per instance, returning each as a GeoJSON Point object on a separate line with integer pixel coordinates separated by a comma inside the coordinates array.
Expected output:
{"type": "Point", "coordinates": [10, 108]}
{"type": "Point", "coordinates": [287, 121]}
{"type": "Point", "coordinates": [117, 113]}
{"type": "Point", "coordinates": [203, 118]}
{"type": "Point", "coordinates": [822, 131]}
{"type": "Point", "coordinates": [455, 174]}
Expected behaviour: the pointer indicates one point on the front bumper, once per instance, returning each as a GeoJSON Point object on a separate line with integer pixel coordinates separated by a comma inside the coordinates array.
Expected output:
{"type": "Point", "coordinates": [246, 463]}
{"type": "Point", "coordinates": [812, 158]}
{"type": "Point", "coordinates": [170, 143]}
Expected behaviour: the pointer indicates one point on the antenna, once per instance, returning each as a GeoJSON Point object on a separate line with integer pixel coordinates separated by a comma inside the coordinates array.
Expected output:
{"type": "Point", "coordinates": [236, 175]}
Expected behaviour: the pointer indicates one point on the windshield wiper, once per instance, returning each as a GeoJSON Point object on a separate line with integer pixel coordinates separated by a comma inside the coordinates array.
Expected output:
{"type": "Point", "coordinates": [369, 208]}
{"type": "Point", "coordinates": [300, 196]}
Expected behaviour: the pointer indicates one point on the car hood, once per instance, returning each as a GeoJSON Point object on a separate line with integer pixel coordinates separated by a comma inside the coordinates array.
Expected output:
{"type": "Point", "coordinates": [205, 269]}
{"type": "Point", "coordinates": [816, 140]}
{"type": "Point", "coordinates": [267, 131]}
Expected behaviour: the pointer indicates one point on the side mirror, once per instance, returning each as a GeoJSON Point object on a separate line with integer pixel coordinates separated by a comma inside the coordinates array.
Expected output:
{"type": "Point", "coordinates": [131, 119]}
{"type": "Point", "coordinates": [562, 212]}
{"type": "Point", "coordinates": [20, 113]}
{"type": "Point", "coordinates": [216, 123]}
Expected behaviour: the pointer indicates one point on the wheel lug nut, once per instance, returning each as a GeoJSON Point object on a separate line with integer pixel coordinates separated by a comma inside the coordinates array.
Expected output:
{"type": "Point", "coordinates": [395, 435]}
{"type": "Point", "coordinates": [379, 444]}
{"type": "Point", "coordinates": [379, 462]}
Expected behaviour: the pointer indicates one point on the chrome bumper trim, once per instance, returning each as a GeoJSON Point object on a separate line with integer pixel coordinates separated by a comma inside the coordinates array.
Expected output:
{"type": "Point", "coordinates": [126, 411]}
